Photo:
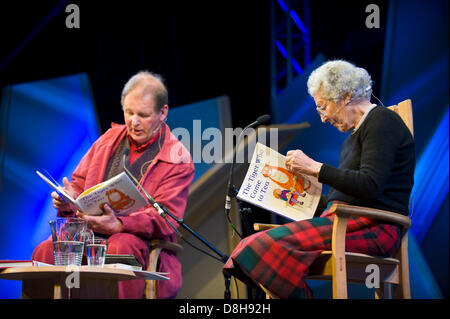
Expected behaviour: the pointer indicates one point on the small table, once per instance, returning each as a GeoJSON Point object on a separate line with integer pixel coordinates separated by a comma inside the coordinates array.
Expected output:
{"type": "Point", "coordinates": [59, 282]}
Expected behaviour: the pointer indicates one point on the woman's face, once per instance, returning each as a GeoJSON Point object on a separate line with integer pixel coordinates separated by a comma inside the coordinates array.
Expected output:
{"type": "Point", "coordinates": [335, 113]}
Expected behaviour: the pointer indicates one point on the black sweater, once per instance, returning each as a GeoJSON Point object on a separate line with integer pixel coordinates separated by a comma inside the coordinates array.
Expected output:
{"type": "Point", "coordinates": [376, 167]}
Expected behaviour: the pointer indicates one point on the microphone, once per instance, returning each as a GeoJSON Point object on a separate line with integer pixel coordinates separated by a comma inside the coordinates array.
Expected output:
{"type": "Point", "coordinates": [230, 187]}
{"type": "Point", "coordinates": [159, 208]}
{"type": "Point", "coordinates": [263, 119]}
{"type": "Point", "coordinates": [126, 153]}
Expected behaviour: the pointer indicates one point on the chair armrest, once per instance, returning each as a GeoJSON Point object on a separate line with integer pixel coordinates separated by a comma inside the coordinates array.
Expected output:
{"type": "Point", "coordinates": [166, 245]}
{"type": "Point", "coordinates": [372, 213]}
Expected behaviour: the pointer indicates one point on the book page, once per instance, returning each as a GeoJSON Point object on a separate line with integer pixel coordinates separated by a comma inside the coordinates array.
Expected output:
{"type": "Point", "coordinates": [119, 192]}
{"type": "Point", "coordinates": [268, 184]}
{"type": "Point", "coordinates": [65, 197]}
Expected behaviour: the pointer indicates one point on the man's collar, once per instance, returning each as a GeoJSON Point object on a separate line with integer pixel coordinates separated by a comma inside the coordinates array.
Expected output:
{"type": "Point", "coordinates": [146, 145]}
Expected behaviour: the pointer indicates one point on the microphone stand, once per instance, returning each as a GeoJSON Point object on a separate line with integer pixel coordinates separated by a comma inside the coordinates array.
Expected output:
{"type": "Point", "coordinates": [232, 191]}
{"type": "Point", "coordinates": [223, 257]}
{"type": "Point", "coordinates": [162, 210]}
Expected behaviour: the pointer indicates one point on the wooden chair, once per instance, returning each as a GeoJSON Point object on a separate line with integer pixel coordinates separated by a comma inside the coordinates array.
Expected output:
{"type": "Point", "coordinates": [156, 246]}
{"type": "Point", "coordinates": [342, 267]}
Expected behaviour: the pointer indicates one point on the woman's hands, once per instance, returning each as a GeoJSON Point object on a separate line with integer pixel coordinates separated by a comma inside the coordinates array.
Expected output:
{"type": "Point", "coordinates": [299, 163]}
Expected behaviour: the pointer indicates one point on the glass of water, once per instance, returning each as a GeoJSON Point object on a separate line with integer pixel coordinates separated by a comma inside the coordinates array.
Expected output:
{"type": "Point", "coordinates": [96, 252]}
{"type": "Point", "coordinates": [68, 252]}
{"type": "Point", "coordinates": [68, 240]}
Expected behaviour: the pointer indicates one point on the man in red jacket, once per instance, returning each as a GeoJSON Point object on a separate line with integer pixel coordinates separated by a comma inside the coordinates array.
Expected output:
{"type": "Point", "coordinates": [161, 164]}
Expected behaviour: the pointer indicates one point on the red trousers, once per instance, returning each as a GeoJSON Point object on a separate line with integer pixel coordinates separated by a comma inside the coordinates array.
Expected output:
{"type": "Point", "coordinates": [118, 244]}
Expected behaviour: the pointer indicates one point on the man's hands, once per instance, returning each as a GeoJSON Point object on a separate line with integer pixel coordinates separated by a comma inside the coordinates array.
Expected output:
{"type": "Point", "coordinates": [299, 163]}
{"type": "Point", "coordinates": [107, 223]}
{"type": "Point", "coordinates": [58, 203]}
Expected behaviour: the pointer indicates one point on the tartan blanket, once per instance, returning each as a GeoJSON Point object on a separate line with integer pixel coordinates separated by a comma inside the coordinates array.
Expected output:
{"type": "Point", "coordinates": [279, 258]}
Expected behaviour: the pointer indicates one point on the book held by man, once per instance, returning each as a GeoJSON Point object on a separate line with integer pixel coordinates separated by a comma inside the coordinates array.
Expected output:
{"type": "Point", "coordinates": [119, 192]}
{"type": "Point", "coordinates": [270, 185]}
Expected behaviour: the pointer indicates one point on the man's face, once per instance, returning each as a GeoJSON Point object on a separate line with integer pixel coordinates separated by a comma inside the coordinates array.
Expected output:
{"type": "Point", "coordinates": [141, 119]}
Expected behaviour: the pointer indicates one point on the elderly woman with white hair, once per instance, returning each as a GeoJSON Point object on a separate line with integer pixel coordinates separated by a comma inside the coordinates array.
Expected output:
{"type": "Point", "coordinates": [376, 169]}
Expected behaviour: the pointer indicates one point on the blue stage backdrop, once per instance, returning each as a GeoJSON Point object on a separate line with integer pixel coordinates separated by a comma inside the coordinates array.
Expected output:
{"type": "Point", "coordinates": [198, 124]}
{"type": "Point", "coordinates": [46, 125]}
{"type": "Point", "coordinates": [415, 66]}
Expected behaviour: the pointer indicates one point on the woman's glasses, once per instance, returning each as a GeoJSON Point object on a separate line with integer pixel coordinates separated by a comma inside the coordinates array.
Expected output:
{"type": "Point", "coordinates": [322, 110]}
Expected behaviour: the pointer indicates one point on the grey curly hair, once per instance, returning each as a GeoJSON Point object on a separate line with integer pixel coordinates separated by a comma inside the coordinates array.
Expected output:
{"type": "Point", "coordinates": [335, 79]}
{"type": "Point", "coordinates": [151, 83]}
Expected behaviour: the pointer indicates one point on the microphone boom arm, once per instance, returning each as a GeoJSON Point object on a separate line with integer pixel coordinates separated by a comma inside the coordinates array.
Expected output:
{"type": "Point", "coordinates": [162, 210]}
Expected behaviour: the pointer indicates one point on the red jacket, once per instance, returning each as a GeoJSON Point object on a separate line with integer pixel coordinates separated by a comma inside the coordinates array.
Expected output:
{"type": "Point", "coordinates": [167, 179]}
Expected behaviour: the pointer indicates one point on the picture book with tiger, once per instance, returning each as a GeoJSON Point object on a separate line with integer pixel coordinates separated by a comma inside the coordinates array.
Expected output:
{"type": "Point", "coordinates": [270, 185]}
{"type": "Point", "coordinates": [119, 192]}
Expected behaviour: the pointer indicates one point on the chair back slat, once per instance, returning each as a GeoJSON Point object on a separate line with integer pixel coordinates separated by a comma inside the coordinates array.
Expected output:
{"type": "Point", "coordinates": [404, 109]}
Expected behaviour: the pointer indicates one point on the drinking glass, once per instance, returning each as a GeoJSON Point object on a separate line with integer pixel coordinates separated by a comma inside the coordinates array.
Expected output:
{"type": "Point", "coordinates": [96, 252]}
{"type": "Point", "coordinates": [68, 240]}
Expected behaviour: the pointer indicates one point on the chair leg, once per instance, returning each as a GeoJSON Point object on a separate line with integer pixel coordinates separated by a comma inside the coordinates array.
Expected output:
{"type": "Point", "coordinates": [389, 294]}
{"type": "Point", "coordinates": [339, 269]}
{"type": "Point", "coordinates": [340, 281]}
{"type": "Point", "coordinates": [384, 292]}
{"type": "Point", "coordinates": [403, 289]}
{"type": "Point", "coordinates": [269, 295]}
{"type": "Point", "coordinates": [379, 292]}
{"type": "Point", "coordinates": [150, 285]}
